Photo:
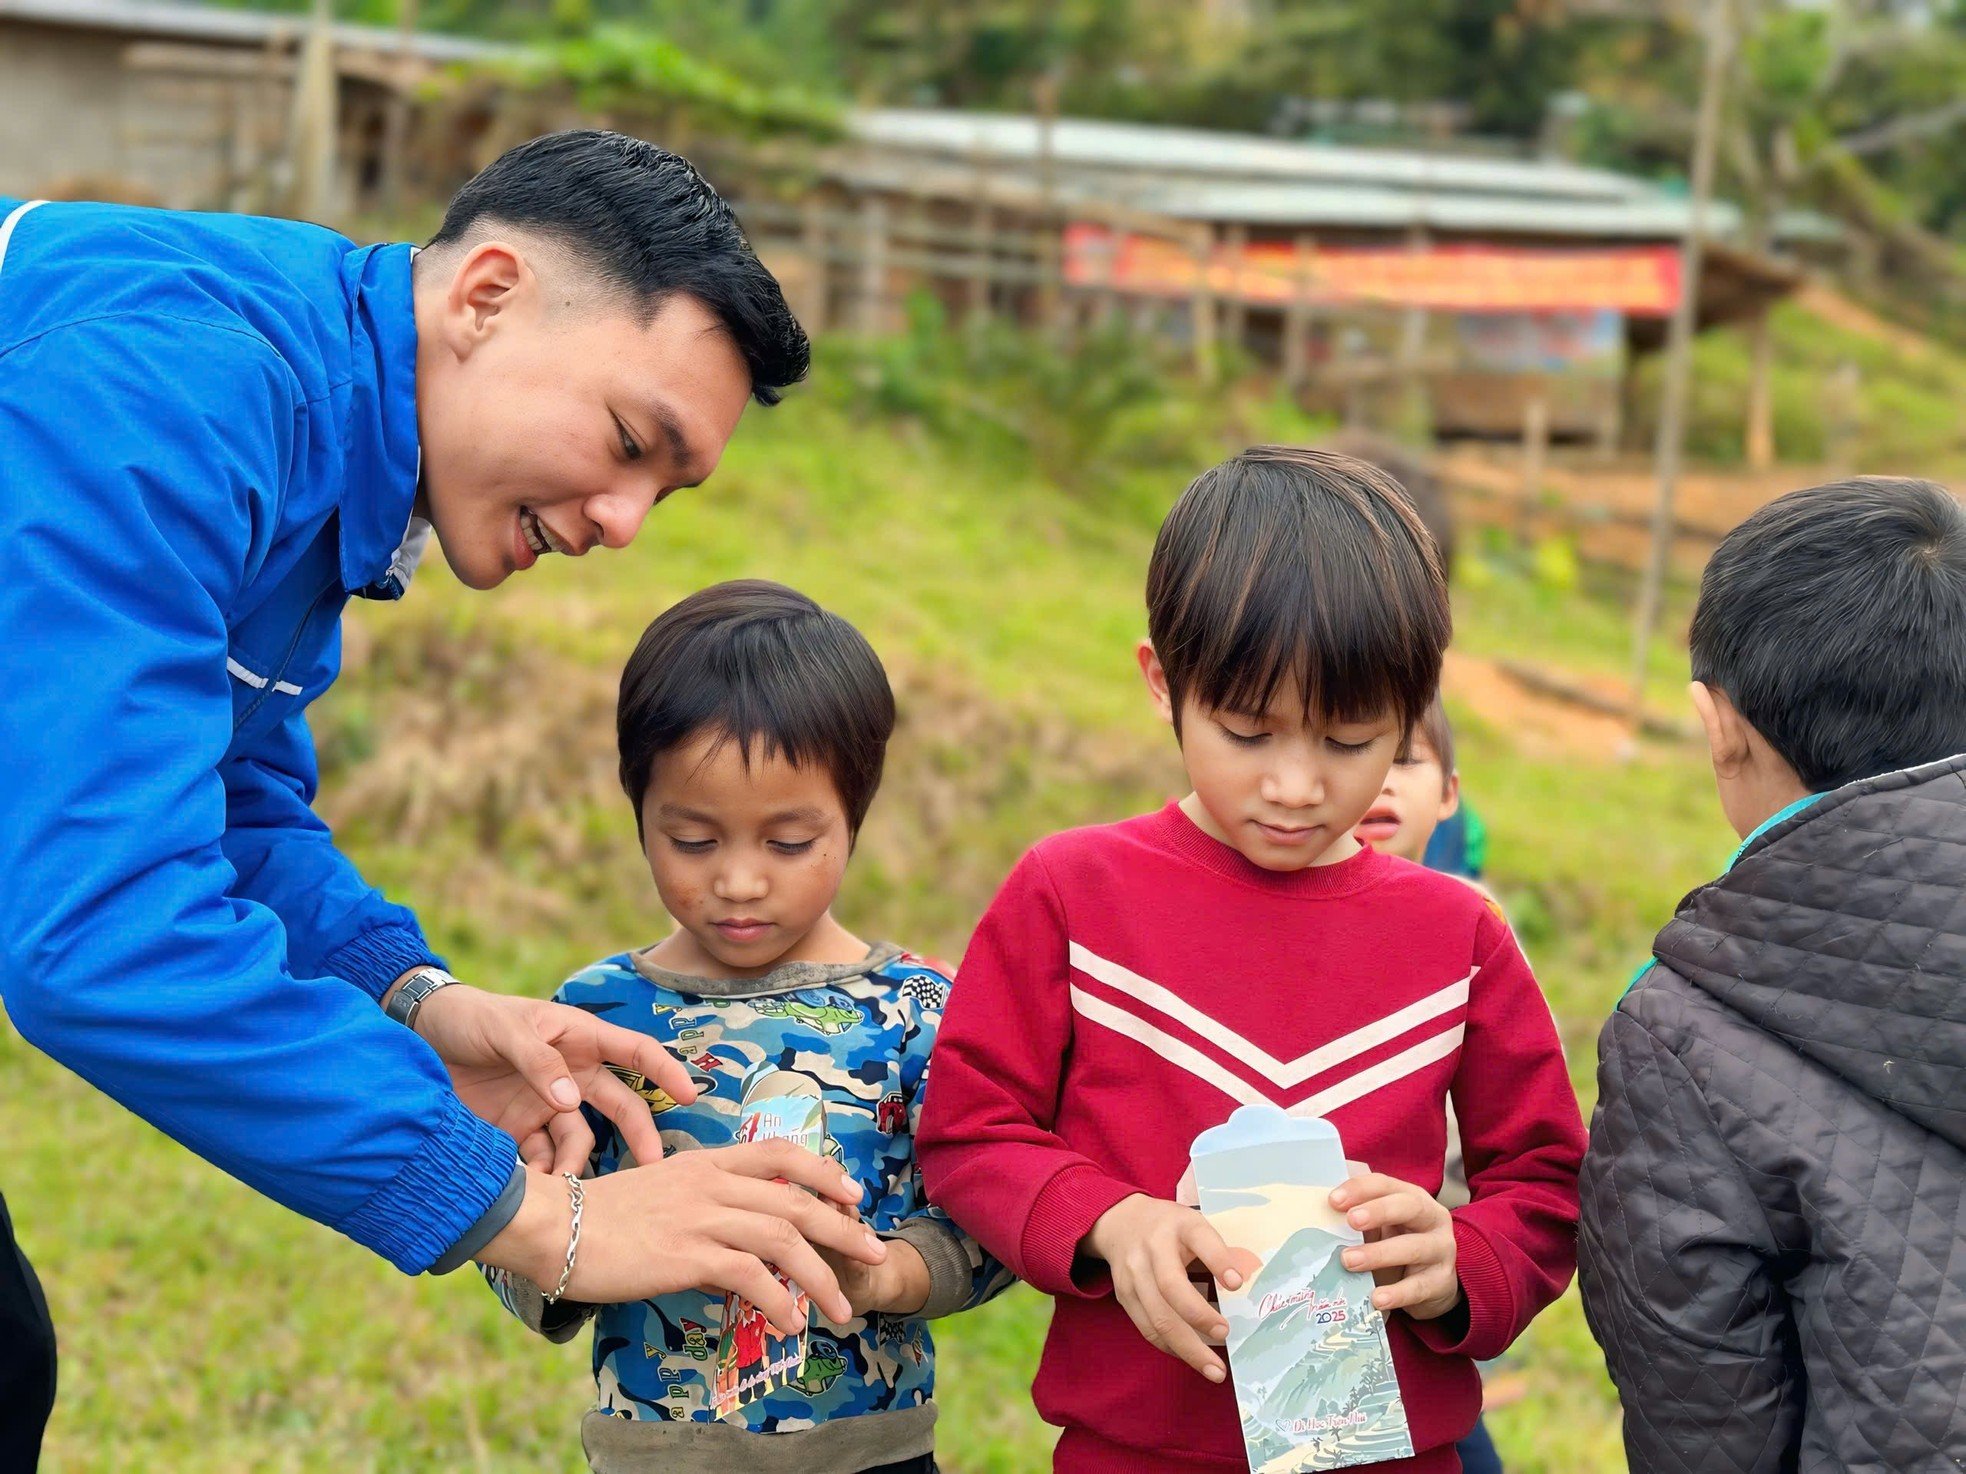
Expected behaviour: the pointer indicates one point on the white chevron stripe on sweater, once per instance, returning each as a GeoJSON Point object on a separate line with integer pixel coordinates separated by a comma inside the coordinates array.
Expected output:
{"type": "Point", "coordinates": [1283, 1074]}
{"type": "Point", "coordinates": [1172, 1050]}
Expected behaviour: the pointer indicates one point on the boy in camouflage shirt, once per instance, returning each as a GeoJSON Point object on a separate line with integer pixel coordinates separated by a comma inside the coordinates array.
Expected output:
{"type": "Point", "coordinates": [753, 727]}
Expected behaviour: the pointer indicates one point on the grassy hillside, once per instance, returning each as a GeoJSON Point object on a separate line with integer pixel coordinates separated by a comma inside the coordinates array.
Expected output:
{"type": "Point", "coordinates": [469, 768]}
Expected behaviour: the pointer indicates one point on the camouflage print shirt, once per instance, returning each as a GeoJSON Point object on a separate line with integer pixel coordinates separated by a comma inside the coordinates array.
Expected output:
{"type": "Point", "coordinates": [862, 1031]}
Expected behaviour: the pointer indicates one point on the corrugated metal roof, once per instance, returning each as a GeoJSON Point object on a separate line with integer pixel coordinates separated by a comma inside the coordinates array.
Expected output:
{"type": "Point", "coordinates": [1152, 148]}
{"type": "Point", "coordinates": [1191, 174]}
{"type": "Point", "coordinates": [209, 23]}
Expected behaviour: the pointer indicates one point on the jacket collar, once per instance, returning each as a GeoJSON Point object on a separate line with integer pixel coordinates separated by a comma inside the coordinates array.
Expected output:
{"type": "Point", "coordinates": [382, 456]}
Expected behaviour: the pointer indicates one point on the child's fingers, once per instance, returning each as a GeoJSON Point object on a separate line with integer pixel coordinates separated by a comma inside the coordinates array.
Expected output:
{"type": "Point", "coordinates": [1164, 1328]}
{"type": "Point", "coordinates": [1184, 1297]}
{"type": "Point", "coordinates": [1205, 1244]}
{"type": "Point", "coordinates": [1397, 1251]}
{"type": "Point", "coordinates": [1409, 1209]}
{"type": "Point", "coordinates": [1416, 1289]}
{"type": "Point", "coordinates": [1364, 1188]}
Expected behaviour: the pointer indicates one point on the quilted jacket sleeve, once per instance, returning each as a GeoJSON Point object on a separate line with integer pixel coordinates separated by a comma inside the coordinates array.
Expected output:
{"type": "Point", "coordinates": [1678, 1271]}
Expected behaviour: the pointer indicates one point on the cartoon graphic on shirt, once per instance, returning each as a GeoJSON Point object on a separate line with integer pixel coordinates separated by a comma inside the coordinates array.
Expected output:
{"type": "Point", "coordinates": [864, 1040]}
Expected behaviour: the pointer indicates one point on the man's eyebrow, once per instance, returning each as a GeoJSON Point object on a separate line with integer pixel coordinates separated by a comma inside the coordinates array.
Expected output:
{"type": "Point", "coordinates": [681, 456]}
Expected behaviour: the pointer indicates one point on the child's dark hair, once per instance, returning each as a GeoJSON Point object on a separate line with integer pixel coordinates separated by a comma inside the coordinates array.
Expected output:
{"type": "Point", "coordinates": [763, 666]}
{"type": "Point", "coordinates": [1835, 621]}
{"type": "Point", "coordinates": [1439, 733]}
{"type": "Point", "coordinates": [1289, 566]}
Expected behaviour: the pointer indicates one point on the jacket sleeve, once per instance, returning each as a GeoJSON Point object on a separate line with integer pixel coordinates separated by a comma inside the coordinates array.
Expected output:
{"type": "Point", "coordinates": [337, 925]}
{"type": "Point", "coordinates": [962, 1274]}
{"type": "Point", "coordinates": [1678, 1273]}
{"type": "Point", "coordinates": [1522, 1139]}
{"type": "Point", "coordinates": [143, 462]}
{"type": "Point", "coordinates": [989, 1155]}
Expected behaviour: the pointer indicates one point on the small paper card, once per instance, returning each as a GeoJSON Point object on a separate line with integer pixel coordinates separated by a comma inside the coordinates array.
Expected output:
{"type": "Point", "coordinates": [1313, 1373]}
{"type": "Point", "coordinates": [753, 1360]}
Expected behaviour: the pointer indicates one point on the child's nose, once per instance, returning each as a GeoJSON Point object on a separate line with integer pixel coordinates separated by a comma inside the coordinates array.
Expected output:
{"type": "Point", "coordinates": [1295, 786]}
{"type": "Point", "coordinates": [741, 883]}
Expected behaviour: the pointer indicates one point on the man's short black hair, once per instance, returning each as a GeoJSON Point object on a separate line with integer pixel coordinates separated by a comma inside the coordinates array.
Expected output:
{"type": "Point", "coordinates": [649, 224]}
{"type": "Point", "coordinates": [765, 667]}
{"type": "Point", "coordinates": [1835, 621]}
{"type": "Point", "coordinates": [1286, 566]}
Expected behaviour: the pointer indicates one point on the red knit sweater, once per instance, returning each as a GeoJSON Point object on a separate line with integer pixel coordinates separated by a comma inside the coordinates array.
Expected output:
{"type": "Point", "coordinates": [1129, 987]}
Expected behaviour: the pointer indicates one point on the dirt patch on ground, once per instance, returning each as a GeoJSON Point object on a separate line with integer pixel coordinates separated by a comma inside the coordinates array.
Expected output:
{"type": "Point", "coordinates": [1541, 726]}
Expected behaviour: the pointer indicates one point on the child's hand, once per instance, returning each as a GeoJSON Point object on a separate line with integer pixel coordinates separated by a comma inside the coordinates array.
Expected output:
{"type": "Point", "coordinates": [1411, 1245]}
{"type": "Point", "coordinates": [1149, 1243]}
{"type": "Point", "coordinates": [898, 1285]}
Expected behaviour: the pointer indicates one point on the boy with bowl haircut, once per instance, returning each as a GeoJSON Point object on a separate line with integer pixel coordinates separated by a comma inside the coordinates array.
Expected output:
{"type": "Point", "coordinates": [1134, 983]}
{"type": "Point", "coordinates": [753, 728]}
{"type": "Point", "coordinates": [1774, 1202]}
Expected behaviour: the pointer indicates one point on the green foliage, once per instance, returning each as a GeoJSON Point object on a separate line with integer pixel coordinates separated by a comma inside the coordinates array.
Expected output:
{"type": "Point", "coordinates": [615, 70]}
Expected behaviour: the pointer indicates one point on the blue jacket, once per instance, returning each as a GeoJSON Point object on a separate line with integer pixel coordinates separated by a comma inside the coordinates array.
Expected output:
{"type": "Point", "coordinates": [208, 442]}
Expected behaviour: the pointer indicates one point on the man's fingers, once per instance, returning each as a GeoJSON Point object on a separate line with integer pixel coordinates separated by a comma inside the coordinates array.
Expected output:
{"type": "Point", "coordinates": [817, 1223]}
{"type": "Point", "coordinates": [645, 1056]}
{"type": "Point", "coordinates": [630, 1114]}
{"type": "Point", "coordinates": [753, 1279]}
{"type": "Point", "coordinates": [536, 1151]}
{"type": "Point", "coordinates": [539, 1064]}
{"type": "Point", "coordinates": [769, 1159]}
{"type": "Point", "coordinates": [573, 1141]}
{"type": "Point", "coordinates": [779, 1244]}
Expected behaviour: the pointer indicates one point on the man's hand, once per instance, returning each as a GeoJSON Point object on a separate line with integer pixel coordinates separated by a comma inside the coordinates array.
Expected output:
{"type": "Point", "coordinates": [525, 1065]}
{"type": "Point", "coordinates": [1411, 1253]}
{"type": "Point", "coordinates": [898, 1285]}
{"type": "Point", "coordinates": [1149, 1244]}
{"type": "Point", "coordinates": [707, 1220]}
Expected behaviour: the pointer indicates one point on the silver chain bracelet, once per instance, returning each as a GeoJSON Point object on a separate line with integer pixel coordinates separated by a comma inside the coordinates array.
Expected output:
{"type": "Point", "coordinates": [577, 1191]}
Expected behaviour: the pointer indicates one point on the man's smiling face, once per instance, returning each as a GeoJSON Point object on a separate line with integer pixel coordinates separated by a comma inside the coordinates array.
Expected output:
{"type": "Point", "coordinates": [554, 414]}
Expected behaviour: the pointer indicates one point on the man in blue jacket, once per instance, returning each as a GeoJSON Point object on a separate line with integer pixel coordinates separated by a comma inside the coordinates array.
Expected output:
{"type": "Point", "coordinates": [213, 432]}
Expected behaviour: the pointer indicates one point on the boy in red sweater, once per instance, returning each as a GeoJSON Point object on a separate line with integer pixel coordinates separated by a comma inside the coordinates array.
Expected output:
{"type": "Point", "coordinates": [1134, 983]}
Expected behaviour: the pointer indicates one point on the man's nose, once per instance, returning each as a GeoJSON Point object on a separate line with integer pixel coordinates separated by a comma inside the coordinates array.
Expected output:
{"type": "Point", "coordinates": [620, 512]}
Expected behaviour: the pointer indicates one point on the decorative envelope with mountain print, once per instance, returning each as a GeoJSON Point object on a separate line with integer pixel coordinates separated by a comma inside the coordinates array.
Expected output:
{"type": "Point", "coordinates": [1313, 1374]}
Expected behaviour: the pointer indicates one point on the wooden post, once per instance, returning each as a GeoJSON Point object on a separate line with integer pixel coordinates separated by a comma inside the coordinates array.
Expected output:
{"type": "Point", "coordinates": [1297, 320]}
{"type": "Point", "coordinates": [1535, 451]}
{"type": "Point", "coordinates": [1679, 346]}
{"type": "Point", "coordinates": [1759, 437]}
{"type": "Point", "coordinates": [396, 121]}
{"type": "Point", "coordinates": [1051, 284]}
{"type": "Point", "coordinates": [311, 146]}
{"type": "Point", "coordinates": [1236, 242]}
{"type": "Point", "coordinates": [812, 233]}
{"type": "Point", "coordinates": [976, 303]}
{"type": "Point", "coordinates": [1201, 305]}
{"type": "Point", "coordinates": [873, 263]}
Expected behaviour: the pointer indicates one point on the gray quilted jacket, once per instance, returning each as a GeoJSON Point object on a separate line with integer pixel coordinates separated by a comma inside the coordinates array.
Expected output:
{"type": "Point", "coordinates": [1773, 1244]}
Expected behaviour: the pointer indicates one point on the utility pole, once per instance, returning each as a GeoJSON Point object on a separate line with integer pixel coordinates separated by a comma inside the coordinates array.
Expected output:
{"type": "Point", "coordinates": [1679, 343]}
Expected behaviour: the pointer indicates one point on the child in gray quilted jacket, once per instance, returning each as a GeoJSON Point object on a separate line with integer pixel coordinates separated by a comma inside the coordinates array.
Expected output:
{"type": "Point", "coordinates": [1773, 1246]}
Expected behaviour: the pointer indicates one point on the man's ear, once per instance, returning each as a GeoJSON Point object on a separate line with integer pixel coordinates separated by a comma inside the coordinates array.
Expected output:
{"type": "Point", "coordinates": [1727, 731]}
{"type": "Point", "coordinates": [1156, 678]}
{"type": "Point", "coordinates": [491, 279]}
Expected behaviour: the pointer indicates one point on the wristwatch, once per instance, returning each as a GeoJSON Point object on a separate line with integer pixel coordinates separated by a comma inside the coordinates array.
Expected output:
{"type": "Point", "coordinates": [407, 1001]}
